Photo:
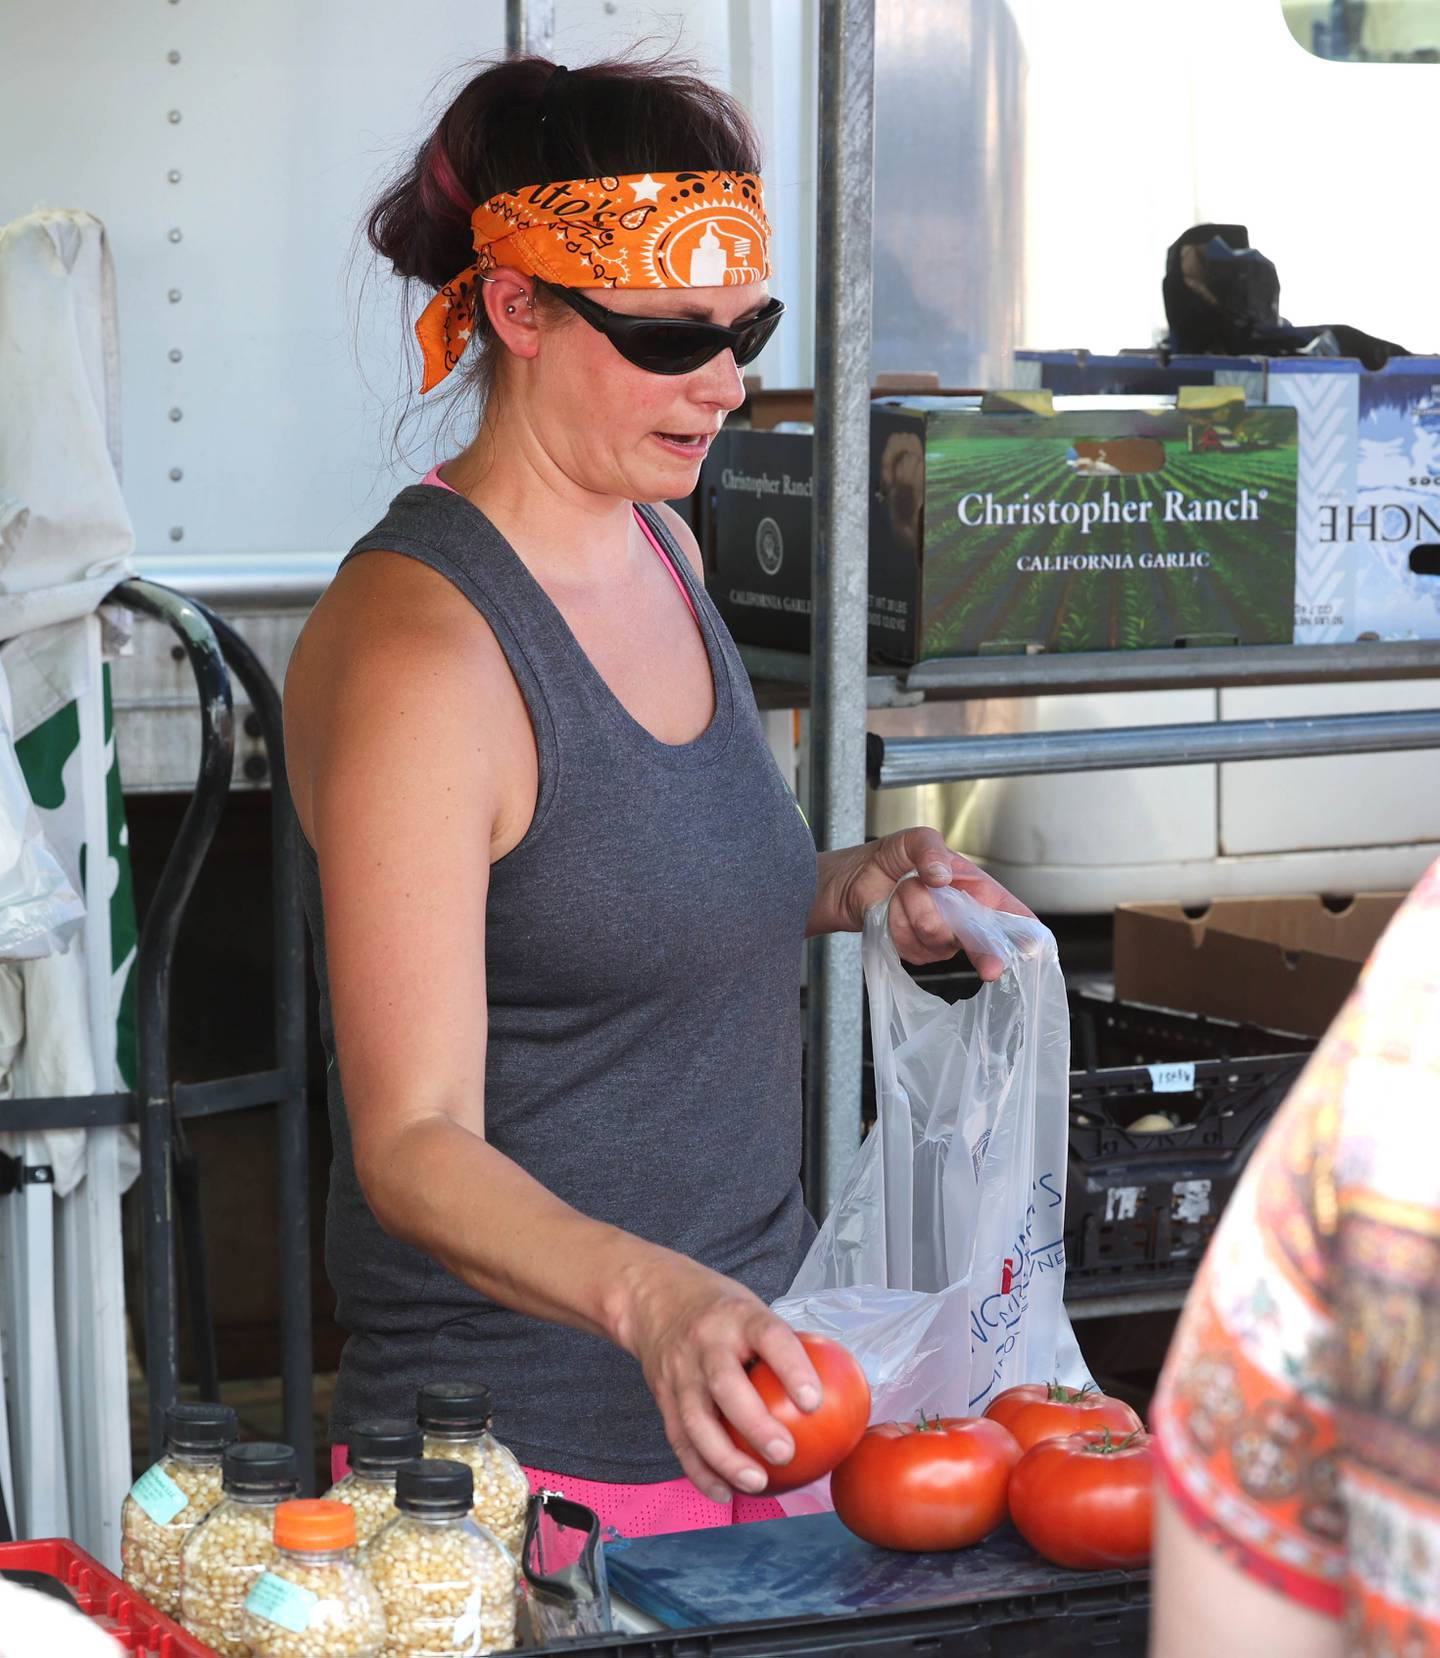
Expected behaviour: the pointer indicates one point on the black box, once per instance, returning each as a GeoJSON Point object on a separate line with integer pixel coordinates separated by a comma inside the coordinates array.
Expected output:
{"type": "Point", "coordinates": [756, 525]}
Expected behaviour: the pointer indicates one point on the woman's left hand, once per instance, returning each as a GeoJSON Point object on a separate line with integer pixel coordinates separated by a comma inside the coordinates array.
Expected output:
{"type": "Point", "coordinates": [859, 876]}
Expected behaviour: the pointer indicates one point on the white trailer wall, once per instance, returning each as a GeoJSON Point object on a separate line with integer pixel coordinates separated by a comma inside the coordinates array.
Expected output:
{"type": "Point", "coordinates": [232, 149]}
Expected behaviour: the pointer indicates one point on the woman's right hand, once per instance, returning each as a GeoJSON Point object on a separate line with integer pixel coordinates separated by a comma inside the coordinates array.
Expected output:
{"type": "Point", "coordinates": [694, 1331]}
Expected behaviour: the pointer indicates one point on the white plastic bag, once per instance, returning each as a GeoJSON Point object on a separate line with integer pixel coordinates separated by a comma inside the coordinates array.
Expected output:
{"type": "Point", "coordinates": [942, 1264]}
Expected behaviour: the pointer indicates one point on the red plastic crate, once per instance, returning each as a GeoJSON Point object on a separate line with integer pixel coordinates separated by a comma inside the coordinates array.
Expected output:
{"type": "Point", "coordinates": [132, 1620]}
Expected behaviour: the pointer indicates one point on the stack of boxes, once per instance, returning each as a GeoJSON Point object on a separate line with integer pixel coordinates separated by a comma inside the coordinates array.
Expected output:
{"type": "Point", "coordinates": [1109, 503]}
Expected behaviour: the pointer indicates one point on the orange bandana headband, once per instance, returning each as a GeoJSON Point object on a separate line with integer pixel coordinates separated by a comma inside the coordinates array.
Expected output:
{"type": "Point", "coordinates": [666, 230]}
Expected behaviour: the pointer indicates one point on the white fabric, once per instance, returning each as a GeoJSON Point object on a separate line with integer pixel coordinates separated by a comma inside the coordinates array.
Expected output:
{"type": "Point", "coordinates": [33, 1625]}
{"type": "Point", "coordinates": [46, 1046]}
{"type": "Point", "coordinates": [65, 541]}
{"type": "Point", "coordinates": [59, 421]}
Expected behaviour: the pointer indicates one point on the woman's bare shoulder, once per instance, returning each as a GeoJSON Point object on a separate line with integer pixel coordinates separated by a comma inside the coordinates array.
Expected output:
{"type": "Point", "coordinates": [388, 621]}
{"type": "Point", "coordinates": [394, 650]}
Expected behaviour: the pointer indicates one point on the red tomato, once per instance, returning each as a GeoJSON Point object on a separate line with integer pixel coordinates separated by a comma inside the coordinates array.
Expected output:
{"type": "Point", "coordinates": [938, 1483]}
{"type": "Point", "coordinates": [823, 1436]}
{"type": "Point", "coordinates": [1045, 1410]}
{"type": "Point", "coordinates": [1086, 1500]}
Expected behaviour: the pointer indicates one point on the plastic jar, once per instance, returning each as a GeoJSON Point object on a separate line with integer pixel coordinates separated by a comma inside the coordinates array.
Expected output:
{"type": "Point", "coordinates": [235, 1543]}
{"type": "Point", "coordinates": [376, 1450]}
{"type": "Point", "coordinates": [314, 1602]}
{"type": "Point", "coordinates": [448, 1587]}
{"type": "Point", "coordinates": [456, 1419]}
{"type": "Point", "coordinates": [171, 1498]}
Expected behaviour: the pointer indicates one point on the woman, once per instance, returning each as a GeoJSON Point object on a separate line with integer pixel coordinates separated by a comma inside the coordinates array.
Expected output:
{"type": "Point", "coordinates": [564, 885]}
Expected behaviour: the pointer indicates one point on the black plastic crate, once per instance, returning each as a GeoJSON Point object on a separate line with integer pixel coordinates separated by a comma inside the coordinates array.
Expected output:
{"type": "Point", "coordinates": [806, 1587]}
{"type": "Point", "coordinates": [1140, 1207]}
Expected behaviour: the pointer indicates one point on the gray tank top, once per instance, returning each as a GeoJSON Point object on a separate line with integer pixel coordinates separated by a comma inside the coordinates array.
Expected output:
{"type": "Point", "coordinates": [643, 951]}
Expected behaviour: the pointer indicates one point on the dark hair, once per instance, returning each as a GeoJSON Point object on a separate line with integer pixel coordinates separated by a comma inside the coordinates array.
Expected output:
{"type": "Point", "coordinates": [528, 121]}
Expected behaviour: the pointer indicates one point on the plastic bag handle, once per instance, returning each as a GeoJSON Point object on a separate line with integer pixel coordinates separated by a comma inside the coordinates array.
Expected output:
{"type": "Point", "coordinates": [980, 929]}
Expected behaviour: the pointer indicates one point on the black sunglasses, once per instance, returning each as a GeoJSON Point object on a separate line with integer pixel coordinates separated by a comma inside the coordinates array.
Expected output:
{"type": "Point", "coordinates": [672, 345]}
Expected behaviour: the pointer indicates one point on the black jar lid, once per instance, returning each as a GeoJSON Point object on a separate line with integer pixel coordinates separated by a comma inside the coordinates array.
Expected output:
{"type": "Point", "coordinates": [454, 1407]}
{"type": "Point", "coordinates": [435, 1488]}
{"type": "Point", "coordinates": [261, 1470]}
{"type": "Point", "coordinates": [199, 1427]}
{"type": "Point", "coordinates": [380, 1447]}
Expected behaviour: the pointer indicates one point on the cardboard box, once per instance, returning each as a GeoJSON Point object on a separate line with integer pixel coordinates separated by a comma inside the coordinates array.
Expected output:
{"type": "Point", "coordinates": [1104, 524]}
{"type": "Point", "coordinates": [1368, 538]}
{"type": "Point", "coordinates": [1134, 373]}
{"type": "Point", "coordinates": [1015, 523]}
{"type": "Point", "coordinates": [1368, 529]}
{"type": "Point", "coordinates": [765, 409]}
{"type": "Point", "coordinates": [756, 523]}
{"type": "Point", "coordinates": [1286, 964]}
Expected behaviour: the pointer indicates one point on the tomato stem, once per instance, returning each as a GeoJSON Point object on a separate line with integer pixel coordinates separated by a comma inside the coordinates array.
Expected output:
{"type": "Point", "coordinates": [1110, 1445]}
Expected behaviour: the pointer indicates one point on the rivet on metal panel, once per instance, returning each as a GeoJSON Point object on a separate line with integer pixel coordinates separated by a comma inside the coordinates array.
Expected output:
{"type": "Point", "coordinates": [175, 234]}
{"type": "Point", "coordinates": [173, 175]}
{"type": "Point", "coordinates": [177, 414]}
{"type": "Point", "coordinates": [174, 117]}
{"type": "Point", "coordinates": [177, 532]}
{"type": "Point", "coordinates": [256, 768]}
{"type": "Point", "coordinates": [253, 728]}
{"type": "Point", "coordinates": [174, 296]}
{"type": "Point", "coordinates": [172, 57]}
{"type": "Point", "coordinates": [176, 474]}
{"type": "Point", "coordinates": [177, 653]}
{"type": "Point", "coordinates": [175, 354]}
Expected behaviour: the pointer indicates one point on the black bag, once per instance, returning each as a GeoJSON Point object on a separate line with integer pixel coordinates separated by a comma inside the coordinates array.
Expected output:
{"type": "Point", "coordinates": [1223, 297]}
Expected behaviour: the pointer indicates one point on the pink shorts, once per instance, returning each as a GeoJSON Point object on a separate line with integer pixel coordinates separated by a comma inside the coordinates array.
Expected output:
{"type": "Point", "coordinates": [635, 1510]}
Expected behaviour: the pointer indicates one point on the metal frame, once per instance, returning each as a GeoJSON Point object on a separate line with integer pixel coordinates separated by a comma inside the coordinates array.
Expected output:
{"type": "Point", "coordinates": [898, 762]}
{"type": "Point", "coordinates": [783, 678]}
{"type": "Point", "coordinates": [840, 690]}
{"type": "Point", "coordinates": [840, 568]}
{"type": "Point", "coordinates": [158, 1105]}
{"type": "Point", "coordinates": [529, 28]}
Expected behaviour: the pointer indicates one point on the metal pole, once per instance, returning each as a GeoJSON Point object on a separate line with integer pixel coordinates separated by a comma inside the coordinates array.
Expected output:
{"type": "Point", "coordinates": [905, 762]}
{"type": "Point", "coordinates": [840, 567]}
{"type": "Point", "coordinates": [529, 28]}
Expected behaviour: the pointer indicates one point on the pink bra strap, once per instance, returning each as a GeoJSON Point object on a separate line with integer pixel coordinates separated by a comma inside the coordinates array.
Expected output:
{"type": "Point", "coordinates": [669, 564]}
{"type": "Point", "coordinates": [433, 477]}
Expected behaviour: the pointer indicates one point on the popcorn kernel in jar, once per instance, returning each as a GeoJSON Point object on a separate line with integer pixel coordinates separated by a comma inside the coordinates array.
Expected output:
{"type": "Point", "coordinates": [171, 1498]}
{"type": "Point", "coordinates": [234, 1544]}
{"type": "Point", "coordinates": [314, 1602]}
{"type": "Point", "coordinates": [456, 1418]}
{"type": "Point", "coordinates": [448, 1586]}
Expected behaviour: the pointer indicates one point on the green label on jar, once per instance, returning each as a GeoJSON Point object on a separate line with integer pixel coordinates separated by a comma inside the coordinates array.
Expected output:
{"type": "Point", "coordinates": [158, 1495]}
{"type": "Point", "coordinates": [279, 1601]}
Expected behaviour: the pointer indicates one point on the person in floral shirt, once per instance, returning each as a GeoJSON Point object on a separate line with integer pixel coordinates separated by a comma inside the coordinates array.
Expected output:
{"type": "Point", "coordinates": [1297, 1422]}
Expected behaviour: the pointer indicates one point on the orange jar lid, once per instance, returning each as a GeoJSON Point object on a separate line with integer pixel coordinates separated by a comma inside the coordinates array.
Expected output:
{"type": "Point", "coordinates": [313, 1525]}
